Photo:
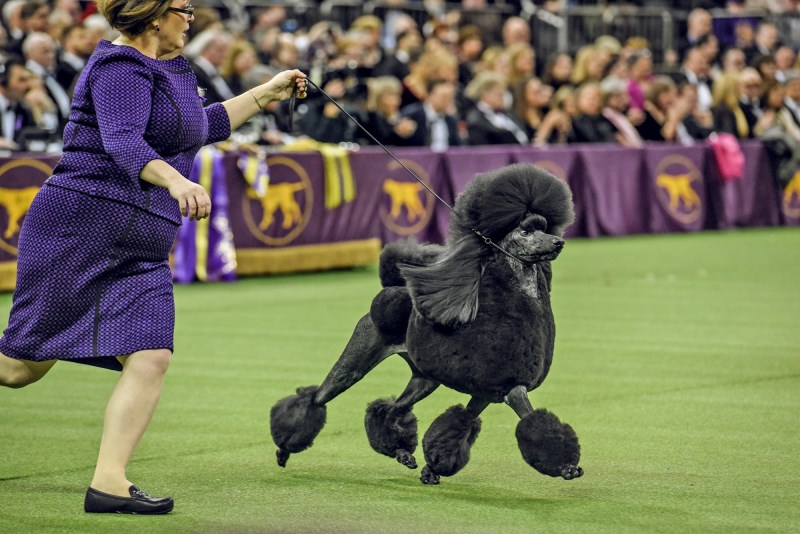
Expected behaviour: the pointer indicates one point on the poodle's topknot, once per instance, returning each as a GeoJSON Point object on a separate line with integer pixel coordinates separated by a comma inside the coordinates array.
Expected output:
{"type": "Point", "coordinates": [495, 202]}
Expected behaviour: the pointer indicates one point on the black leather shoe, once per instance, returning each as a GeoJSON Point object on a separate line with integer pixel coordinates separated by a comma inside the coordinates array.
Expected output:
{"type": "Point", "coordinates": [139, 502]}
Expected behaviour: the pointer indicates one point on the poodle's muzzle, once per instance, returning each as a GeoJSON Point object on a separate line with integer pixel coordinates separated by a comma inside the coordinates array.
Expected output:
{"type": "Point", "coordinates": [533, 246]}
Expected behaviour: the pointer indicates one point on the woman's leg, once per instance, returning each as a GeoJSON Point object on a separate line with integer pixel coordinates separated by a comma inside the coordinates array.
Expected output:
{"type": "Point", "coordinates": [128, 413]}
{"type": "Point", "coordinates": [20, 373]}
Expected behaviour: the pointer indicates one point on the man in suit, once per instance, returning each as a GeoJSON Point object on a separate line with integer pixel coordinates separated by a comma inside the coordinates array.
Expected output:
{"type": "Point", "coordinates": [33, 17]}
{"type": "Point", "coordinates": [75, 49]}
{"type": "Point", "coordinates": [40, 57]}
{"type": "Point", "coordinates": [436, 126]}
{"type": "Point", "coordinates": [15, 82]}
{"type": "Point", "coordinates": [489, 122]}
{"type": "Point", "coordinates": [211, 50]}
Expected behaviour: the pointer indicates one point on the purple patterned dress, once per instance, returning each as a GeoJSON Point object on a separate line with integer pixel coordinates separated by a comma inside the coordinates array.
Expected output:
{"type": "Point", "coordinates": [93, 280]}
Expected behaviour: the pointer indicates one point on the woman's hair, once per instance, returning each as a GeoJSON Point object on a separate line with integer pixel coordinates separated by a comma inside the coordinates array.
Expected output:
{"type": "Point", "coordinates": [661, 85]}
{"type": "Point", "coordinates": [725, 90]}
{"type": "Point", "coordinates": [482, 84]}
{"type": "Point", "coordinates": [378, 87]}
{"type": "Point", "coordinates": [519, 91]}
{"type": "Point", "coordinates": [240, 46]}
{"type": "Point", "coordinates": [131, 17]}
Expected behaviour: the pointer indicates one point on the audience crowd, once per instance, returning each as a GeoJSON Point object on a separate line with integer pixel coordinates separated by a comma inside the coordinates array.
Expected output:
{"type": "Point", "coordinates": [456, 80]}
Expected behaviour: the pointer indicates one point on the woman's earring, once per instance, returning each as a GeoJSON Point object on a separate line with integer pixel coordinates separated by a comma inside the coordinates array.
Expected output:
{"type": "Point", "coordinates": [158, 28]}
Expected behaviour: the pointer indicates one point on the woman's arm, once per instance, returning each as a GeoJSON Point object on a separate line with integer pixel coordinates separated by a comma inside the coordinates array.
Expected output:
{"type": "Point", "coordinates": [241, 108]}
{"type": "Point", "coordinates": [192, 198]}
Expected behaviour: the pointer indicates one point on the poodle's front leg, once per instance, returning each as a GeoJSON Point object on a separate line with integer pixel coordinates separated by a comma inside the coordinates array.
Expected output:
{"type": "Point", "coordinates": [448, 440]}
{"type": "Point", "coordinates": [391, 424]}
{"type": "Point", "coordinates": [548, 445]}
{"type": "Point", "coordinates": [297, 419]}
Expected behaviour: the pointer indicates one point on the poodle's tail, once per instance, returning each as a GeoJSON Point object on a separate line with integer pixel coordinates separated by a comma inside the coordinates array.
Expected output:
{"type": "Point", "coordinates": [405, 251]}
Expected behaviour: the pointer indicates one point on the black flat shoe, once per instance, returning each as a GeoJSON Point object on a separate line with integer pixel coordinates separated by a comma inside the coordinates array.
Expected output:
{"type": "Point", "coordinates": [139, 502]}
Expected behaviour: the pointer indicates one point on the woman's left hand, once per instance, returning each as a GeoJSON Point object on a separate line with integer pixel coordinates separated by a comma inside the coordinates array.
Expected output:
{"type": "Point", "coordinates": [283, 84]}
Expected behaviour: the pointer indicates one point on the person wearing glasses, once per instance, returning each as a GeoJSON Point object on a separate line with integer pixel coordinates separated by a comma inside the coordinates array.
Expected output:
{"type": "Point", "coordinates": [93, 283]}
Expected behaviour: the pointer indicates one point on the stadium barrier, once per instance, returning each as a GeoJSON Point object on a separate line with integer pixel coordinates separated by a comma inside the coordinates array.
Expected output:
{"type": "Point", "coordinates": [332, 208]}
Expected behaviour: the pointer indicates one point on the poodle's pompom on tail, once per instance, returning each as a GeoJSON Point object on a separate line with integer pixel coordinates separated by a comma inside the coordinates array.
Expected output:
{"type": "Point", "coordinates": [392, 430]}
{"type": "Point", "coordinates": [495, 202]}
{"type": "Point", "coordinates": [295, 421]}
{"type": "Point", "coordinates": [548, 445]}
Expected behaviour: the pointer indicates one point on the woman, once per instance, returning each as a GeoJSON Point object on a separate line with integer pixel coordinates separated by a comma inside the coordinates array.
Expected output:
{"type": "Point", "coordinates": [93, 282]}
{"type": "Point", "coordinates": [663, 111]}
{"type": "Point", "coordinates": [241, 58]}
{"type": "Point", "coordinates": [531, 100]}
{"type": "Point", "coordinates": [728, 114]}
{"type": "Point", "coordinates": [383, 119]}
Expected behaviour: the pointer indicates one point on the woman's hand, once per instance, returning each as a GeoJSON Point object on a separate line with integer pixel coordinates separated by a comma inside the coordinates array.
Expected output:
{"type": "Point", "coordinates": [192, 199]}
{"type": "Point", "coordinates": [281, 86]}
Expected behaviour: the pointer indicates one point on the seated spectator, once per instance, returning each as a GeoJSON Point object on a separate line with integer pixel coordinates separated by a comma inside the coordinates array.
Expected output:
{"type": "Point", "coordinates": [733, 60]}
{"type": "Point", "coordinates": [785, 58]}
{"type": "Point", "coordinates": [589, 125]}
{"type": "Point", "coordinates": [209, 50]}
{"type": "Point", "coordinates": [640, 72]}
{"type": "Point", "coordinates": [490, 122]}
{"type": "Point", "coordinates": [531, 100]}
{"type": "Point", "coordinates": [15, 116]}
{"type": "Point", "coordinates": [470, 48]}
{"type": "Point", "coordinates": [409, 45]}
{"type": "Point", "coordinates": [590, 64]}
{"type": "Point", "coordinates": [662, 112]}
{"type": "Point", "coordinates": [431, 65]}
{"type": "Point", "coordinates": [75, 51]}
{"type": "Point", "coordinates": [558, 71]}
{"type": "Point", "coordinates": [556, 126]}
{"type": "Point", "coordinates": [751, 90]}
{"type": "Point", "coordinates": [793, 94]}
{"type": "Point", "coordinates": [383, 118]}
{"type": "Point", "coordinates": [522, 63]}
{"type": "Point", "coordinates": [437, 127]}
{"type": "Point", "coordinates": [780, 133]}
{"type": "Point", "coordinates": [729, 116]}
{"type": "Point", "coordinates": [40, 57]}
{"type": "Point", "coordinates": [616, 107]}
{"type": "Point", "coordinates": [321, 120]}
{"type": "Point", "coordinates": [240, 58]}
{"type": "Point", "coordinates": [697, 124]}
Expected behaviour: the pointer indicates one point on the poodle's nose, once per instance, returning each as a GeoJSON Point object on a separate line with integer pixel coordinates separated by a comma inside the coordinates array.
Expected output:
{"type": "Point", "coordinates": [558, 243]}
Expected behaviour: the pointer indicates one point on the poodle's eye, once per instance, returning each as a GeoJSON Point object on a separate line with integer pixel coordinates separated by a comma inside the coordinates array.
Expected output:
{"type": "Point", "coordinates": [523, 233]}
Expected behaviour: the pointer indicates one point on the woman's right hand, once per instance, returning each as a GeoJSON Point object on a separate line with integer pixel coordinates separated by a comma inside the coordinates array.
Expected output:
{"type": "Point", "coordinates": [192, 198]}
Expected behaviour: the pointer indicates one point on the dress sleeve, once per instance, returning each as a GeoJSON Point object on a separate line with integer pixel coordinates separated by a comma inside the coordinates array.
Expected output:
{"type": "Point", "coordinates": [121, 89]}
{"type": "Point", "coordinates": [219, 124]}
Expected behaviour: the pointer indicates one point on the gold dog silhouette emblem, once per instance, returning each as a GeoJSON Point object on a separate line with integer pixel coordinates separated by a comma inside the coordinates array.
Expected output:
{"type": "Point", "coordinates": [792, 189]}
{"type": "Point", "coordinates": [16, 203]}
{"type": "Point", "coordinates": [279, 197]}
{"type": "Point", "coordinates": [679, 187]}
{"type": "Point", "coordinates": [404, 194]}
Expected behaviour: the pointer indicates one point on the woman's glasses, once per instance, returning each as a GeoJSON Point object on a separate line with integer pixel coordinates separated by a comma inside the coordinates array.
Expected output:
{"type": "Point", "coordinates": [188, 10]}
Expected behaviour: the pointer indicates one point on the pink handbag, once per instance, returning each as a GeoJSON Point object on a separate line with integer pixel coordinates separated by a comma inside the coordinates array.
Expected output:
{"type": "Point", "coordinates": [728, 155]}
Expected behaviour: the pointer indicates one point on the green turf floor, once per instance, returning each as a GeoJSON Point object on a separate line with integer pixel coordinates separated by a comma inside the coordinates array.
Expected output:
{"type": "Point", "coordinates": [677, 363]}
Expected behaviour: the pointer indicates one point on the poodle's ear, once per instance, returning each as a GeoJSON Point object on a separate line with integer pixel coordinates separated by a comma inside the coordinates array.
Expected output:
{"type": "Point", "coordinates": [446, 291]}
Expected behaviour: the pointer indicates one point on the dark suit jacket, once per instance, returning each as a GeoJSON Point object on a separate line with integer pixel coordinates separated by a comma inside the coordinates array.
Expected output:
{"type": "Point", "coordinates": [592, 129]}
{"type": "Point", "coordinates": [24, 123]}
{"type": "Point", "coordinates": [422, 136]}
{"type": "Point", "coordinates": [66, 75]}
{"type": "Point", "coordinates": [204, 81]}
{"type": "Point", "coordinates": [483, 132]}
{"type": "Point", "coordinates": [725, 121]}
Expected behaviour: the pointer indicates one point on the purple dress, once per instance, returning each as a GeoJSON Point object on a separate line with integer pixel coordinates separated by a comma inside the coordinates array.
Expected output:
{"type": "Point", "coordinates": [93, 279]}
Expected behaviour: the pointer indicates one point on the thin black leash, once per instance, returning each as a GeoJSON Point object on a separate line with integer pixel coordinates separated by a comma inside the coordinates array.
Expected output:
{"type": "Point", "coordinates": [486, 239]}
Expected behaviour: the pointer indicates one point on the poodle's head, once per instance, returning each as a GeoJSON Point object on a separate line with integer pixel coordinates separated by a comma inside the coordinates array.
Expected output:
{"type": "Point", "coordinates": [522, 205]}
{"type": "Point", "coordinates": [531, 242]}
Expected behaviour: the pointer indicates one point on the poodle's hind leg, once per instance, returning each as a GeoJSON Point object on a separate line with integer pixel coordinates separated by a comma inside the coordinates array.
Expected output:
{"type": "Point", "coordinates": [548, 445]}
{"type": "Point", "coordinates": [297, 419]}
{"type": "Point", "coordinates": [391, 424]}
{"type": "Point", "coordinates": [448, 440]}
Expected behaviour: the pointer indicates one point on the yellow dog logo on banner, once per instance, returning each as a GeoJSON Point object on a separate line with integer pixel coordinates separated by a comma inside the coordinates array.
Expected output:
{"type": "Point", "coordinates": [791, 197]}
{"type": "Point", "coordinates": [676, 178]}
{"type": "Point", "coordinates": [409, 196]}
{"type": "Point", "coordinates": [290, 200]}
{"type": "Point", "coordinates": [15, 201]}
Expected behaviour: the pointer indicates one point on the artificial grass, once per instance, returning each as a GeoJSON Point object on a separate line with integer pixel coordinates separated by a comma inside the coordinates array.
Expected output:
{"type": "Point", "coordinates": [677, 363]}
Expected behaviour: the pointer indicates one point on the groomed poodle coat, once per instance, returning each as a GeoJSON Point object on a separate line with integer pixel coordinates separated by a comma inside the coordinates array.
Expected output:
{"type": "Point", "coordinates": [473, 315]}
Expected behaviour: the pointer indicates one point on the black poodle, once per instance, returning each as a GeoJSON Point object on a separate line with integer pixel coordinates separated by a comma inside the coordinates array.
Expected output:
{"type": "Point", "coordinates": [473, 315]}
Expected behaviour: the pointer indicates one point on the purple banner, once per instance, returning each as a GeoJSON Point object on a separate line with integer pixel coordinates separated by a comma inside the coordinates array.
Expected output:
{"type": "Point", "coordinates": [615, 187]}
{"type": "Point", "coordinates": [21, 177]}
{"type": "Point", "coordinates": [393, 199]}
{"type": "Point", "coordinates": [789, 200]}
{"type": "Point", "coordinates": [750, 200]}
{"type": "Point", "coordinates": [676, 187]}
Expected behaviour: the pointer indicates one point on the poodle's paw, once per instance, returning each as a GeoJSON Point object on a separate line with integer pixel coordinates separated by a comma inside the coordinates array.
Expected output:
{"type": "Point", "coordinates": [568, 472]}
{"type": "Point", "coordinates": [427, 476]}
{"type": "Point", "coordinates": [406, 458]}
{"type": "Point", "coordinates": [282, 456]}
